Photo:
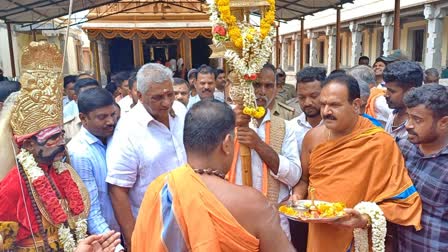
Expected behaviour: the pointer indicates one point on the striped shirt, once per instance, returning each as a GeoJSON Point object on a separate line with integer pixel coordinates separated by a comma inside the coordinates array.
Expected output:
{"type": "Point", "coordinates": [430, 177]}
{"type": "Point", "coordinates": [88, 158]}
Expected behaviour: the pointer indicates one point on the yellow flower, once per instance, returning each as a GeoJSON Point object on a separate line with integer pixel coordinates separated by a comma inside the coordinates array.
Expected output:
{"type": "Point", "coordinates": [239, 43]}
{"type": "Point", "coordinates": [235, 32]}
{"type": "Point", "coordinates": [248, 111]}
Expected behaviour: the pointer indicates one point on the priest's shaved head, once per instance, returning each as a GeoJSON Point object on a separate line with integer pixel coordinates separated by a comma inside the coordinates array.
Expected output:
{"type": "Point", "coordinates": [207, 124]}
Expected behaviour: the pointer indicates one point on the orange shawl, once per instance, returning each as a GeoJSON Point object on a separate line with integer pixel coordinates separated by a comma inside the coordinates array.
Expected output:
{"type": "Point", "coordinates": [365, 165]}
{"type": "Point", "coordinates": [374, 94]}
{"type": "Point", "coordinates": [179, 213]}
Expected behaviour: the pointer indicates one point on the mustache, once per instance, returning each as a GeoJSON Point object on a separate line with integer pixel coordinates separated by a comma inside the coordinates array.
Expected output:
{"type": "Point", "coordinates": [309, 107]}
{"type": "Point", "coordinates": [329, 117]}
{"type": "Point", "coordinates": [50, 158]}
{"type": "Point", "coordinates": [266, 99]}
{"type": "Point", "coordinates": [111, 126]}
{"type": "Point", "coordinates": [412, 132]}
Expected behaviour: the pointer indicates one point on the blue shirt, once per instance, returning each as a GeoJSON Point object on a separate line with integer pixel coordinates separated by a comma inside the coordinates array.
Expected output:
{"type": "Point", "coordinates": [373, 120]}
{"type": "Point", "coordinates": [88, 158]}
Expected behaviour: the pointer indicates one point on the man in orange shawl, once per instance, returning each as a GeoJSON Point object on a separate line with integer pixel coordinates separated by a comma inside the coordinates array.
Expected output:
{"type": "Point", "coordinates": [349, 160]}
{"type": "Point", "coordinates": [193, 208]}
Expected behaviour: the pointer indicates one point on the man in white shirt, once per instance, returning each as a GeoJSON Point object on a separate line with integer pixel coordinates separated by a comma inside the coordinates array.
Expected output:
{"type": "Point", "coordinates": [205, 85]}
{"type": "Point", "coordinates": [130, 100]}
{"type": "Point", "coordinates": [145, 145]}
{"type": "Point", "coordinates": [220, 85]}
{"type": "Point", "coordinates": [400, 77]}
{"type": "Point", "coordinates": [72, 123]}
{"type": "Point", "coordinates": [69, 89]}
{"type": "Point", "coordinates": [308, 88]}
{"type": "Point", "coordinates": [181, 91]}
{"type": "Point", "coordinates": [121, 80]}
{"type": "Point", "coordinates": [274, 156]}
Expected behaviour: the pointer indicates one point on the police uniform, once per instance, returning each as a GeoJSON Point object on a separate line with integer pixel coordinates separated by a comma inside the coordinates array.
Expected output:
{"type": "Point", "coordinates": [287, 92]}
{"type": "Point", "coordinates": [294, 103]}
{"type": "Point", "coordinates": [282, 110]}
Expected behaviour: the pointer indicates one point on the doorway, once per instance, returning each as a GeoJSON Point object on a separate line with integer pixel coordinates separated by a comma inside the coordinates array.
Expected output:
{"type": "Point", "coordinates": [160, 50]}
{"type": "Point", "coordinates": [121, 55]}
{"type": "Point", "coordinates": [200, 51]}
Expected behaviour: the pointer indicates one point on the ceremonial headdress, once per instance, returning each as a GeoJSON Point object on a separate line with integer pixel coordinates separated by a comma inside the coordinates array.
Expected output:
{"type": "Point", "coordinates": [39, 104]}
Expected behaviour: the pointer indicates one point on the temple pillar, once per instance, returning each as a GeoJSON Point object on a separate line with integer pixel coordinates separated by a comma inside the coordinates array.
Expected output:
{"type": "Point", "coordinates": [331, 36]}
{"type": "Point", "coordinates": [137, 49]}
{"type": "Point", "coordinates": [356, 30]}
{"type": "Point", "coordinates": [95, 59]}
{"type": "Point", "coordinates": [284, 58]}
{"type": "Point", "coordinates": [433, 56]}
{"type": "Point", "coordinates": [297, 54]}
{"type": "Point", "coordinates": [313, 47]}
{"type": "Point", "coordinates": [388, 33]}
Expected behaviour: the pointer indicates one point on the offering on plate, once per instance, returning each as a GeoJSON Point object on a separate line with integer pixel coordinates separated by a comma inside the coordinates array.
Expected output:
{"type": "Point", "coordinates": [304, 210]}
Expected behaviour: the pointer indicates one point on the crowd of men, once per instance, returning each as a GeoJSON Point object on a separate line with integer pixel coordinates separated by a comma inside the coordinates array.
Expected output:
{"type": "Point", "coordinates": [160, 156]}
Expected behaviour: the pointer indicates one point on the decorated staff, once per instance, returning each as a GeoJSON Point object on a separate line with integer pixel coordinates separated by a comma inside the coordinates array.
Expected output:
{"type": "Point", "coordinates": [246, 49]}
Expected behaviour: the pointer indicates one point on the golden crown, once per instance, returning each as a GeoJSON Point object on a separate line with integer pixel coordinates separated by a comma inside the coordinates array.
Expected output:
{"type": "Point", "coordinates": [39, 104]}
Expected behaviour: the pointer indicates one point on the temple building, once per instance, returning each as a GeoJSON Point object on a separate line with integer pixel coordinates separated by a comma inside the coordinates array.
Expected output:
{"type": "Point", "coordinates": [125, 35]}
{"type": "Point", "coordinates": [366, 29]}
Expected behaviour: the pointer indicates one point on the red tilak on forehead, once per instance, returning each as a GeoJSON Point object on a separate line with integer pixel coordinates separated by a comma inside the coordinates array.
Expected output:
{"type": "Point", "coordinates": [43, 135]}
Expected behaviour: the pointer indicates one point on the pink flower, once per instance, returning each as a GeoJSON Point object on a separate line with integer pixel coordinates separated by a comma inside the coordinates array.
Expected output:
{"type": "Point", "coordinates": [220, 30]}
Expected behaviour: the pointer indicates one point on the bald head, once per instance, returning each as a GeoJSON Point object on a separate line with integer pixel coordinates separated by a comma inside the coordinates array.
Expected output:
{"type": "Point", "coordinates": [206, 125]}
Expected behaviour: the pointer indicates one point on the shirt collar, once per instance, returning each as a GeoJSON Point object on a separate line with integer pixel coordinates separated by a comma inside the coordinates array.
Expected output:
{"type": "Point", "coordinates": [144, 117]}
{"type": "Point", "coordinates": [89, 137]}
{"type": "Point", "coordinates": [443, 151]}
{"type": "Point", "coordinates": [301, 120]}
{"type": "Point", "coordinates": [267, 117]}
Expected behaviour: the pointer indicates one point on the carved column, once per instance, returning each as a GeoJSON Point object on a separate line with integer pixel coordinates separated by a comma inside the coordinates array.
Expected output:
{"type": "Point", "coordinates": [356, 30]}
{"type": "Point", "coordinates": [331, 36]}
{"type": "Point", "coordinates": [388, 34]}
{"type": "Point", "coordinates": [284, 58]}
{"type": "Point", "coordinates": [297, 53]}
{"type": "Point", "coordinates": [313, 47]}
{"type": "Point", "coordinates": [434, 15]}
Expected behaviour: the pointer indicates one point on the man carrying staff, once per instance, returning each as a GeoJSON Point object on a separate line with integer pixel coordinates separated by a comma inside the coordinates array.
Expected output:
{"type": "Point", "coordinates": [275, 160]}
{"type": "Point", "coordinates": [349, 160]}
{"type": "Point", "coordinates": [193, 208]}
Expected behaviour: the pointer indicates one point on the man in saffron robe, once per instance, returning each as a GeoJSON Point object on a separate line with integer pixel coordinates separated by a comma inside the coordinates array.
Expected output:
{"type": "Point", "coordinates": [349, 160]}
{"type": "Point", "coordinates": [193, 208]}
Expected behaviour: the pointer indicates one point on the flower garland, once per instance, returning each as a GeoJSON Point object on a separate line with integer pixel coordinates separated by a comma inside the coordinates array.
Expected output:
{"type": "Point", "coordinates": [379, 228]}
{"type": "Point", "coordinates": [235, 32]}
{"type": "Point", "coordinates": [255, 44]}
{"type": "Point", "coordinates": [48, 197]}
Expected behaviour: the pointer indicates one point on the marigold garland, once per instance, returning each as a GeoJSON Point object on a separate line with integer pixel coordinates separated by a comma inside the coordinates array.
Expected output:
{"type": "Point", "coordinates": [235, 31]}
{"type": "Point", "coordinates": [251, 48]}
